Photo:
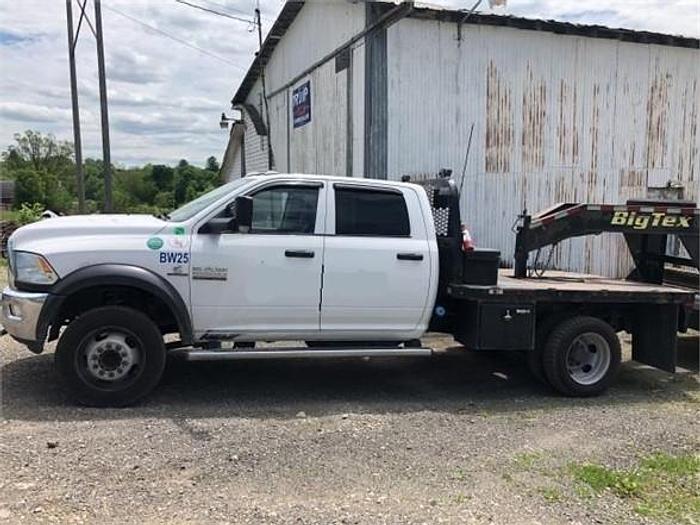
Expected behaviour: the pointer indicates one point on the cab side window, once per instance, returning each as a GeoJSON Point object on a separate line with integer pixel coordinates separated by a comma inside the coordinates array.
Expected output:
{"type": "Point", "coordinates": [285, 210]}
{"type": "Point", "coordinates": [370, 212]}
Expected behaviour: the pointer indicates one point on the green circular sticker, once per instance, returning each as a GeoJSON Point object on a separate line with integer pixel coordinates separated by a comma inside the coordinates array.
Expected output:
{"type": "Point", "coordinates": [155, 243]}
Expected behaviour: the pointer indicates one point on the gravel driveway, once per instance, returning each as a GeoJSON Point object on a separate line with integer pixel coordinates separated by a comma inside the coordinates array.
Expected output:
{"type": "Point", "coordinates": [460, 438]}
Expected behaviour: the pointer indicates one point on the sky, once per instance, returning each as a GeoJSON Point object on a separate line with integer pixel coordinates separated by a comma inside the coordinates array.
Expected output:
{"type": "Point", "coordinates": [165, 97]}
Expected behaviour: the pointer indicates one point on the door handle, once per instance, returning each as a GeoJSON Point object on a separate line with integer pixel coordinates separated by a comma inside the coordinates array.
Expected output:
{"type": "Point", "coordinates": [302, 254]}
{"type": "Point", "coordinates": [409, 256]}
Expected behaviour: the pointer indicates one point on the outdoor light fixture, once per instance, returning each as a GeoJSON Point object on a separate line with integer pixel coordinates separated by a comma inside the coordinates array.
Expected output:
{"type": "Point", "coordinates": [224, 122]}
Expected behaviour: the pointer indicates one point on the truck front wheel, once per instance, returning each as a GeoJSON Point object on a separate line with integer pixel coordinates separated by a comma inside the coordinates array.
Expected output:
{"type": "Point", "coordinates": [582, 356]}
{"type": "Point", "coordinates": [110, 356]}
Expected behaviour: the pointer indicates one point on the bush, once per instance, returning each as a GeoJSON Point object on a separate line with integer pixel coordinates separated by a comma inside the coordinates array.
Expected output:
{"type": "Point", "coordinates": [29, 213]}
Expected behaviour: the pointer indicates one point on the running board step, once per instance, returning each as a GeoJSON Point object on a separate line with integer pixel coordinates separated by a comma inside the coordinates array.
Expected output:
{"type": "Point", "coordinates": [297, 353]}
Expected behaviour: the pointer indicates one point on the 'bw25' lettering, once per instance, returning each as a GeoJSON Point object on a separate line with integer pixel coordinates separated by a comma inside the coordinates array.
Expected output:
{"type": "Point", "coordinates": [174, 257]}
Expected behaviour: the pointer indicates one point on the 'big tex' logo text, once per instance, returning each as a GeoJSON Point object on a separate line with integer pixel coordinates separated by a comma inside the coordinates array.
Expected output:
{"type": "Point", "coordinates": [655, 219]}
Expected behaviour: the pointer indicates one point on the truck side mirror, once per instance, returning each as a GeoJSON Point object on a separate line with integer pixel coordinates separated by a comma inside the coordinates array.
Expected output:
{"type": "Point", "coordinates": [244, 214]}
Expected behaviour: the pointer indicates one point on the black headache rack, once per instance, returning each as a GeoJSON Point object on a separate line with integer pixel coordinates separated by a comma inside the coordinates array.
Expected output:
{"type": "Point", "coordinates": [444, 201]}
{"type": "Point", "coordinates": [645, 224]}
{"type": "Point", "coordinates": [443, 195]}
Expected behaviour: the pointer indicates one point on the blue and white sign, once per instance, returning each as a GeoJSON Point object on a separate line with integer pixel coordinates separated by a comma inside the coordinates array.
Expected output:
{"type": "Point", "coordinates": [301, 104]}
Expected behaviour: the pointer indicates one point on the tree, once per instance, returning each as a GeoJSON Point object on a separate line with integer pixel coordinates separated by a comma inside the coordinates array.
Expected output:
{"type": "Point", "coordinates": [44, 174]}
{"type": "Point", "coordinates": [212, 164]}
{"type": "Point", "coordinates": [185, 176]}
{"type": "Point", "coordinates": [42, 152]}
{"type": "Point", "coordinates": [12, 160]}
{"type": "Point", "coordinates": [29, 186]}
{"type": "Point", "coordinates": [136, 184]}
{"type": "Point", "coordinates": [162, 177]}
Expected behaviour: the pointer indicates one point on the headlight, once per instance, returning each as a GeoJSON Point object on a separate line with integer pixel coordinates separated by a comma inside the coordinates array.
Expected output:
{"type": "Point", "coordinates": [33, 269]}
{"type": "Point", "coordinates": [10, 264]}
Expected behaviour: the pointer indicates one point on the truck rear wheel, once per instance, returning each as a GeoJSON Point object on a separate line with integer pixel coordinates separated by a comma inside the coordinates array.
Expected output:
{"type": "Point", "coordinates": [110, 356]}
{"type": "Point", "coordinates": [582, 356]}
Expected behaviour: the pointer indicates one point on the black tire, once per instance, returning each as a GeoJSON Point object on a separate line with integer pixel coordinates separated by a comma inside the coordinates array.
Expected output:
{"type": "Point", "coordinates": [82, 338]}
{"type": "Point", "coordinates": [596, 339]}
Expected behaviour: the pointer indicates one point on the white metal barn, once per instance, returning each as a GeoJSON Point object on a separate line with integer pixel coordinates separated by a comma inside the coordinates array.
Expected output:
{"type": "Point", "coordinates": [561, 112]}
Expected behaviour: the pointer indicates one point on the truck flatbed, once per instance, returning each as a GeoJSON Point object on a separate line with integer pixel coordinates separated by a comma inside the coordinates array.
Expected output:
{"type": "Point", "coordinates": [558, 286]}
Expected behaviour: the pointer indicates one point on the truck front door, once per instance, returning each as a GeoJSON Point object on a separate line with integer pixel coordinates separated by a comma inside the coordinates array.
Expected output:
{"type": "Point", "coordinates": [377, 264]}
{"type": "Point", "coordinates": [266, 282]}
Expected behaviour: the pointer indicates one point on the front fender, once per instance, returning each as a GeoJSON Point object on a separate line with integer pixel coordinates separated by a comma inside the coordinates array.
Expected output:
{"type": "Point", "coordinates": [115, 275]}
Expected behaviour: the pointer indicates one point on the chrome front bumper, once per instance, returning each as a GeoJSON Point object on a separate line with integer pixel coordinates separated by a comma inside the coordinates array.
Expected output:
{"type": "Point", "coordinates": [20, 313]}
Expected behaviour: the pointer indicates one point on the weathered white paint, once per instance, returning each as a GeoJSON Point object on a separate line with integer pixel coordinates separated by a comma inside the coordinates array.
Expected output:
{"type": "Point", "coordinates": [231, 164]}
{"type": "Point", "coordinates": [320, 145]}
{"type": "Point", "coordinates": [556, 118]}
{"type": "Point", "coordinates": [358, 111]}
{"type": "Point", "coordinates": [319, 28]}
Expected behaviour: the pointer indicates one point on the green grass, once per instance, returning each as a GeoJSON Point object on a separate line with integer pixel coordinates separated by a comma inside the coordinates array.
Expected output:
{"type": "Point", "coordinates": [551, 494]}
{"type": "Point", "coordinates": [661, 485]}
{"type": "Point", "coordinates": [527, 460]}
{"type": "Point", "coordinates": [3, 273]}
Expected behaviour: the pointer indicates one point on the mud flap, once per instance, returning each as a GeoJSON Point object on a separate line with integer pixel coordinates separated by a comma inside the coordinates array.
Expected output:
{"type": "Point", "coordinates": [654, 336]}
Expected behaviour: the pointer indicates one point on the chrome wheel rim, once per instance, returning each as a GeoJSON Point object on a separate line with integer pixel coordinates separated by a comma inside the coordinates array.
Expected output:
{"type": "Point", "coordinates": [588, 358]}
{"type": "Point", "coordinates": [111, 355]}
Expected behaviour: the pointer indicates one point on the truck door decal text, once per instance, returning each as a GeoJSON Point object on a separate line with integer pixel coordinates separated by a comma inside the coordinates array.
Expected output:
{"type": "Point", "coordinates": [174, 257]}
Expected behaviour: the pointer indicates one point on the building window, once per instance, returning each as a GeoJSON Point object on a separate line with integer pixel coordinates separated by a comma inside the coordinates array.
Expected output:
{"type": "Point", "coordinates": [370, 212]}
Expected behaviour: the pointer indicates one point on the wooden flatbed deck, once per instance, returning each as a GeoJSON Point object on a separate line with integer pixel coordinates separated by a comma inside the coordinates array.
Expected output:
{"type": "Point", "coordinates": [557, 286]}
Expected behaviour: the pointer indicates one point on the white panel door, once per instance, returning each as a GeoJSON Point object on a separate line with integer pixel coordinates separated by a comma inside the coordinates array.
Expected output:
{"type": "Point", "coordinates": [377, 265]}
{"type": "Point", "coordinates": [266, 282]}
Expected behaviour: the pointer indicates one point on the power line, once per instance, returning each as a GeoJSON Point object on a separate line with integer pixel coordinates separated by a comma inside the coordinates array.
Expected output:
{"type": "Point", "coordinates": [227, 8]}
{"type": "Point", "coordinates": [176, 39]}
{"type": "Point", "coordinates": [212, 11]}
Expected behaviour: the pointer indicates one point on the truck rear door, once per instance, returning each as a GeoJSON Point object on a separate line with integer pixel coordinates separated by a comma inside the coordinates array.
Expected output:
{"type": "Point", "coordinates": [377, 264]}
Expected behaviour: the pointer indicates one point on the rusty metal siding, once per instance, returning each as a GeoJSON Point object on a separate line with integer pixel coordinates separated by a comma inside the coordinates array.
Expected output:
{"type": "Point", "coordinates": [556, 118]}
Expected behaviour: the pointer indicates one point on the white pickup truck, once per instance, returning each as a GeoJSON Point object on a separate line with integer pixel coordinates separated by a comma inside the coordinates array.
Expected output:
{"type": "Point", "coordinates": [352, 267]}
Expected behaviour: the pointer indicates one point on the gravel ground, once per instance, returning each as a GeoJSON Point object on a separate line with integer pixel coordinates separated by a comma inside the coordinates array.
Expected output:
{"type": "Point", "coordinates": [460, 438]}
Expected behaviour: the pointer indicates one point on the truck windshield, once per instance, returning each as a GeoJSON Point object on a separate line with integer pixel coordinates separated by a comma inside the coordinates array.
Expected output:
{"type": "Point", "coordinates": [192, 208]}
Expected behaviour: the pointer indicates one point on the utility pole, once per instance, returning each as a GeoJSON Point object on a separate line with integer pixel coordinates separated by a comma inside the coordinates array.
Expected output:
{"type": "Point", "coordinates": [106, 160]}
{"type": "Point", "coordinates": [261, 65]}
{"type": "Point", "coordinates": [77, 146]}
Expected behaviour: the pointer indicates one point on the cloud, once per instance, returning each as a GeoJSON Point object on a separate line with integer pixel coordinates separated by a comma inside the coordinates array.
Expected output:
{"type": "Point", "coordinates": [8, 38]}
{"type": "Point", "coordinates": [32, 112]}
{"type": "Point", "coordinates": [165, 99]}
{"type": "Point", "coordinates": [132, 67]}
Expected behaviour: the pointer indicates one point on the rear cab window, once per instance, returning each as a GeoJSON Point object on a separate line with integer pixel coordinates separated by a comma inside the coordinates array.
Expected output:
{"type": "Point", "coordinates": [370, 212]}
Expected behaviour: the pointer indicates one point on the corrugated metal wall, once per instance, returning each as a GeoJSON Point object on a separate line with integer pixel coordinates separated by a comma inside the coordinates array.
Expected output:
{"type": "Point", "coordinates": [556, 118]}
{"type": "Point", "coordinates": [320, 145]}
